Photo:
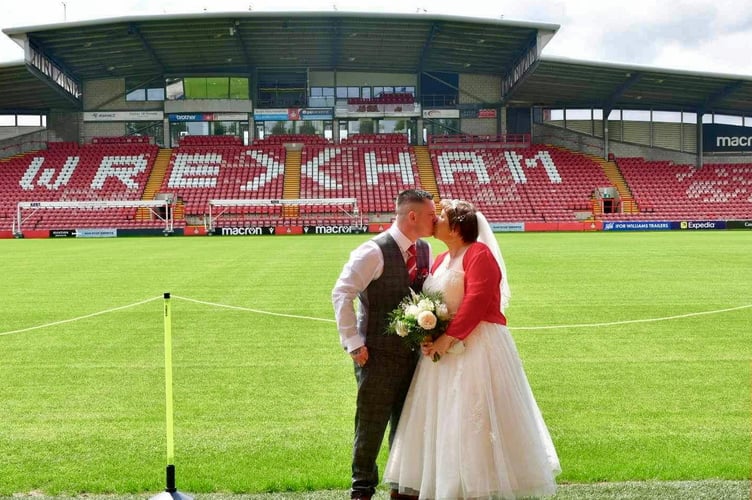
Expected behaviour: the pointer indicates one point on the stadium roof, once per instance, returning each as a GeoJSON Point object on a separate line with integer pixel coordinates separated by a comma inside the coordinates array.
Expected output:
{"type": "Point", "coordinates": [560, 82]}
{"type": "Point", "coordinates": [154, 47]}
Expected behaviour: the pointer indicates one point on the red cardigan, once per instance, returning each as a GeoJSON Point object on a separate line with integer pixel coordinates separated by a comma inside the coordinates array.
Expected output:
{"type": "Point", "coordinates": [482, 300]}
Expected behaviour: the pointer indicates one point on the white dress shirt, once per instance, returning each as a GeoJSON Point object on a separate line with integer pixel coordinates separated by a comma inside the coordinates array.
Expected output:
{"type": "Point", "coordinates": [366, 264]}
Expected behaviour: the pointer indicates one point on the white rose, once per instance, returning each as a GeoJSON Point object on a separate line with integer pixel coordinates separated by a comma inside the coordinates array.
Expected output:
{"type": "Point", "coordinates": [427, 320]}
{"type": "Point", "coordinates": [401, 329]}
{"type": "Point", "coordinates": [425, 305]}
{"type": "Point", "coordinates": [412, 311]}
{"type": "Point", "coordinates": [442, 311]}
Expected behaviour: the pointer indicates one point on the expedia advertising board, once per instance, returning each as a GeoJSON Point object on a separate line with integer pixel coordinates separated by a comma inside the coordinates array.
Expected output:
{"type": "Point", "coordinates": [694, 225]}
{"type": "Point", "coordinates": [726, 138]}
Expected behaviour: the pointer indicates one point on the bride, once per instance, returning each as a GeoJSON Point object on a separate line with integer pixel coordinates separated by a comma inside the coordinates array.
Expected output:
{"type": "Point", "coordinates": [470, 427]}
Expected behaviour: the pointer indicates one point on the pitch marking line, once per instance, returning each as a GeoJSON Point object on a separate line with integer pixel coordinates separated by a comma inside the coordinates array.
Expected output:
{"type": "Point", "coordinates": [326, 320]}
{"type": "Point", "coordinates": [71, 320]}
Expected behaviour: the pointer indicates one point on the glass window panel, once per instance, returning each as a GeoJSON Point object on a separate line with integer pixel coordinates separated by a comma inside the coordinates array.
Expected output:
{"type": "Point", "coordinates": [239, 88]}
{"type": "Point", "coordinates": [217, 88]}
{"type": "Point", "coordinates": [157, 94]}
{"type": "Point", "coordinates": [136, 95]}
{"type": "Point", "coordinates": [341, 92]}
{"type": "Point", "coordinates": [195, 88]}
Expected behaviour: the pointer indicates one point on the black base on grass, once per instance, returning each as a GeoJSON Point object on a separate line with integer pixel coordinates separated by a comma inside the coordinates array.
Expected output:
{"type": "Point", "coordinates": [170, 491]}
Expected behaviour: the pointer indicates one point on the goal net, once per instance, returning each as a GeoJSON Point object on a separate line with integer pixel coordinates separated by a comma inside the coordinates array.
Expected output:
{"type": "Point", "coordinates": [274, 211]}
{"type": "Point", "coordinates": [161, 209]}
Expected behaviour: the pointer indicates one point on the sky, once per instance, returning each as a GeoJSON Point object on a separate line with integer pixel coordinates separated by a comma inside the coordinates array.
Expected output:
{"type": "Point", "coordinates": [711, 36]}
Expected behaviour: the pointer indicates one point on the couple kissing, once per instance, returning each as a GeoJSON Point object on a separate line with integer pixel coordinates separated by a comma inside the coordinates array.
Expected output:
{"type": "Point", "coordinates": [467, 426]}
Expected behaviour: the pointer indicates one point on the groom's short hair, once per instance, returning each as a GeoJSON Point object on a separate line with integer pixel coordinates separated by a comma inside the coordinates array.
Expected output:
{"type": "Point", "coordinates": [410, 196]}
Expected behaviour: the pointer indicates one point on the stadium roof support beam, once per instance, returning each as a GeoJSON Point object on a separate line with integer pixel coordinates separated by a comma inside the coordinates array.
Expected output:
{"type": "Point", "coordinates": [133, 29]}
{"type": "Point", "coordinates": [336, 43]}
{"type": "Point", "coordinates": [608, 104]}
{"type": "Point", "coordinates": [713, 99]}
{"type": "Point", "coordinates": [522, 68]}
{"type": "Point", "coordinates": [52, 73]}
{"type": "Point", "coordinates": [432, 34]}
{"type": "Point", "coordinates": [241, 42]}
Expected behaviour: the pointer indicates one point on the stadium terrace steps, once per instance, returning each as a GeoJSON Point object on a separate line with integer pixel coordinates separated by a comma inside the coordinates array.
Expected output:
{"type": "Point", "coordinates": [156, 177]}
{"type": "Point", "coordinates": [611, 169]}
{"type": "Point", "coordinates": [291, 186]}
{"type": "Point", "coordinates": [425, 171]}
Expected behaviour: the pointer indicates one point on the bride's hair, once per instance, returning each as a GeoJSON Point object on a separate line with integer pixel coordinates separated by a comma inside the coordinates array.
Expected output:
{"type": "Point", "coordinates": [461, 215]}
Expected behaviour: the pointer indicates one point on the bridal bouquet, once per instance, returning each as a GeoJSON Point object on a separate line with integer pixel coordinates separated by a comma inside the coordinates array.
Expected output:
{"type": "Point", "coordinates": [419, 317]}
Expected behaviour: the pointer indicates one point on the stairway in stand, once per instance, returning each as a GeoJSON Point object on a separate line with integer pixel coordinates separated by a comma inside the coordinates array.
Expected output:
{"type": "Point", "coordinates": [17, 155]}
{"type": "Point", "coordinates": [155, 182]}
{"type": "Point", "coordinates": [426, 172]}
{"type": "Point", "coordinates": [614, 175]}
{"type": "Point", "coordinates": [293, 160]}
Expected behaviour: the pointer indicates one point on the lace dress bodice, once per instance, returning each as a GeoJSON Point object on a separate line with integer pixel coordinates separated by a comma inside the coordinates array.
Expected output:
{"type": "Point", "coordinates": [449, 279]}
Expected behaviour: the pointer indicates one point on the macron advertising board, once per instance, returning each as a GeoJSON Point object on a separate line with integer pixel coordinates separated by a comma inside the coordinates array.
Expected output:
{"type": "Point", "coordinates": [726, 138]}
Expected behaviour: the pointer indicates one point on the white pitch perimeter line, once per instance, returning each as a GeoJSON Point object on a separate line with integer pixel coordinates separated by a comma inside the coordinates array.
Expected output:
{"type": "Point", "coordinates": [71, 320]}
{"type": "Point", "coordinates": [550, 327]}
{"type": "Point", "coordinates": [257, 311]}
{"type": "Point", "coordinates": [294, 316]}
{"type": "Point", "coordinates": [629, 321]}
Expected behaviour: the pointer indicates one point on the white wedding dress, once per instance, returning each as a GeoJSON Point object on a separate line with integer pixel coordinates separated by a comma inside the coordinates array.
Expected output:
{"type": "Point", "coordinates": [470, 427]}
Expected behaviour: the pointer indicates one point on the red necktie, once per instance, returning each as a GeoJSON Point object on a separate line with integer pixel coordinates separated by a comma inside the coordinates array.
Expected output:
{"type": "Point", "coordinates": [412, 263]}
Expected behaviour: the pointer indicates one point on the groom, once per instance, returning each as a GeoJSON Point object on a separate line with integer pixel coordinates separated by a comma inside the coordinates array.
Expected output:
{"type": "Point", "coordinates": [379, 274]}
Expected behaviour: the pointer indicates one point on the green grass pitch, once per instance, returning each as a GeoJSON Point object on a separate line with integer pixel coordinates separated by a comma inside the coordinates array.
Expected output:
{"type": "Point", "coordinates": [637, 346]}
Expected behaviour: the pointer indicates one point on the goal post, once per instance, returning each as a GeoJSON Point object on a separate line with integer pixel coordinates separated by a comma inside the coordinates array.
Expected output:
{"type": "Point", "coordinates": [30, 207]}
{"type": "Point", "coordinates": [345, 207]}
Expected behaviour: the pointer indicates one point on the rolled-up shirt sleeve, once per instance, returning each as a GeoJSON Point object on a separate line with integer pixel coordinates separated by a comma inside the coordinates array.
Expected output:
{"type": "Point", "coordinates": [366, 264]}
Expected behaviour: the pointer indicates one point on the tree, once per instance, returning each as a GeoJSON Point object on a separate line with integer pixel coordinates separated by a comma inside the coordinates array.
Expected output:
{"type": "Point", "coordinates": [366, 126]}
{"type": "Point", "coordinates": [279, 128]}
{"type": "Point", "coordinates": [219, 129]}
{"type": "Point", "coordinates": [307, 128]}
